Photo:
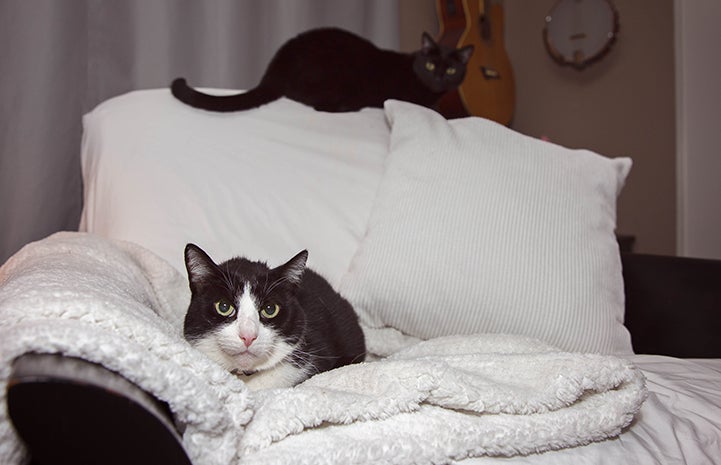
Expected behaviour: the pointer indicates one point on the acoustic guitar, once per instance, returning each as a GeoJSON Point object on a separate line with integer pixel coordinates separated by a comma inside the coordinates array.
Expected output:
{"type": "Point", "coordinates": [488, 89]}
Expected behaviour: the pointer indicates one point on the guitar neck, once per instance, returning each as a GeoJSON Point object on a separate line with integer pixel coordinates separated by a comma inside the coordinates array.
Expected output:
{"type": "Point", "coordinates": [488, 89]}
{"type": "Point", "coordinates": [483, 22]}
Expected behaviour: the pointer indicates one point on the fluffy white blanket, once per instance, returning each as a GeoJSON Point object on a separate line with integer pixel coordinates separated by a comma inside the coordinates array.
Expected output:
{"type": "Point", "coordinates": [119, 305]}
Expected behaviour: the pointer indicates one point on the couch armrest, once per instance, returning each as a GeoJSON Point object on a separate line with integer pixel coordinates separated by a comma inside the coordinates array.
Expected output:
{"type": "Point", "coordinates": [673, 305]}
{"type": "Point", "coordinates": [70, 411]}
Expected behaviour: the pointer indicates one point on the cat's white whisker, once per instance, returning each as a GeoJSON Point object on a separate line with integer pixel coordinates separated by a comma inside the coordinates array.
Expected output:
{"type": "Point", "coordinates": [276, 283]}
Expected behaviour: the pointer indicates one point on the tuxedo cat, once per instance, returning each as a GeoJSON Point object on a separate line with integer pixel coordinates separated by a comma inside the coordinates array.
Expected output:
{"type": "Point", "coordinates": [336, 71]}
{"type": "Point", "coordinates": [272, 327]}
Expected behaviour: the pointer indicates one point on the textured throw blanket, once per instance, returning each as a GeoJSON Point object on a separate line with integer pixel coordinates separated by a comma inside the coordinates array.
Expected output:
{"type": "Point", "coordinates": [119, 305]}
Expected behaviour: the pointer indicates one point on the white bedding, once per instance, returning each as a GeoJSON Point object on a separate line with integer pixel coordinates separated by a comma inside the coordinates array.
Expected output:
{"type": "Point", "coordinates": [453, 397]}
{"type": "Point", "coordinates": [157, 174]}
{"type": "Point", "coordinates": [680, 422]}
{"type": "Point", "coordinates": [161, 174]}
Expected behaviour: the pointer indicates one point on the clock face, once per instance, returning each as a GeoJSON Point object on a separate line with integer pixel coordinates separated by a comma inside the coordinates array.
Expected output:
{"type": "Point", "coordinates": [579, 32]}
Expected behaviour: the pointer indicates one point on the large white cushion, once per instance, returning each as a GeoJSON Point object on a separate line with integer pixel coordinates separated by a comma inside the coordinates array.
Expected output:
{"type": "Point", "coordinates": [476, 228]}
{"type": "Point", "coordinates": [262, 183]}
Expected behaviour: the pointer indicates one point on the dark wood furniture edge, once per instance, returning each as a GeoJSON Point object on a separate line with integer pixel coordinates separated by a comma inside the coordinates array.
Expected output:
{"type": "Point", "coordinates": [673, 305]}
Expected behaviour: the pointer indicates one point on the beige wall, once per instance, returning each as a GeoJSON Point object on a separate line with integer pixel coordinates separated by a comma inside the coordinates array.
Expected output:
{"type": "Point", "coordinates": [620, 106]}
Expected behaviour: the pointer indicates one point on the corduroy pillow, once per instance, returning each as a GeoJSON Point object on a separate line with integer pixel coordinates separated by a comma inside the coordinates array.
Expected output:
{"type": "Point", "coordinates": [479, 229]}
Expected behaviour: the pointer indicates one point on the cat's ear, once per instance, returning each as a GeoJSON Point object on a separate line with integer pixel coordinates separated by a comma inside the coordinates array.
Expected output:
{"type": "Point", "coordinates": [293, 269]}
{"type": "Point", "coordinates": [427, 43]}
{"type": "Point", "coordinates": [464, 53]}
{"type": "Point", "coordinates": [199, 265]}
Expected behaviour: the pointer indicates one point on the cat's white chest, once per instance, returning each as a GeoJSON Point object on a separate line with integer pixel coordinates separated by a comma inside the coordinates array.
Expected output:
{"type": "Point", "coordinates": [282, 375]}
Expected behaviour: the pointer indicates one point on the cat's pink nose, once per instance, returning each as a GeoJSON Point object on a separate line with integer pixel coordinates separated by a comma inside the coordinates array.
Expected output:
{"type": "Point", "coordinates": [248, 339]}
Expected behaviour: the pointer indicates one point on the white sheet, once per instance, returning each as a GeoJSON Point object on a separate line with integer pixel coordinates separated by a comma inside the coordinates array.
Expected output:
{"type": "Point", "coordinates": [680, 422]}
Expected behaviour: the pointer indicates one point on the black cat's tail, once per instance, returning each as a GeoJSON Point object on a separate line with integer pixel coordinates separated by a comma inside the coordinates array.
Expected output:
{"type": "Point", "coordinates": [237, 102]}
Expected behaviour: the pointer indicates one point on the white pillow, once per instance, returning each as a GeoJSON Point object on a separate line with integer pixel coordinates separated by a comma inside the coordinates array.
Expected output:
{"type": "Point", "coordinates": [263, 183]}
{"type": "Point", "coordinates": [476, 228]}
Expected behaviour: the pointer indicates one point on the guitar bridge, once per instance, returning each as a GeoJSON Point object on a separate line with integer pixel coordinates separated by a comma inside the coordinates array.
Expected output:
{"type": "Point", "coordinates": [490, 73]}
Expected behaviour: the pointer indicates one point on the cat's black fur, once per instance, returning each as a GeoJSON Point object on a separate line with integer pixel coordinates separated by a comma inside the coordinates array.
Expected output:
{"type": "Point", "coordinates": [336, 71]}
{"type": "Point", "coordinates": [318, 327]}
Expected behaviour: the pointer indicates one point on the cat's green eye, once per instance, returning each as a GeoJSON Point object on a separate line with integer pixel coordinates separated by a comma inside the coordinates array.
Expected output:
{"type": "Point", "coordinates": [451, 71]}
{"type": "Point", "coordinates": [224, 308]}
{"type": "Point", "coordinates": [270, 311]}
{"type": "Point", "coordinates": [430, 66]}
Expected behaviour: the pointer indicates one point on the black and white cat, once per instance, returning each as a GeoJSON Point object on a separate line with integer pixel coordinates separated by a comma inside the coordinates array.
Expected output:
{"type": "Point", "coordinates": [272, 327]}
{"type": "Point", "coordinates": [336, 71]}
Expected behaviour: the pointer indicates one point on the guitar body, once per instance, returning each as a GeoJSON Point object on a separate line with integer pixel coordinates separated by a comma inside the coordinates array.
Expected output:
{"type": "Point", "coordinates": [488, 89]}
{"type": "Point", "coordinates": [452, 27]}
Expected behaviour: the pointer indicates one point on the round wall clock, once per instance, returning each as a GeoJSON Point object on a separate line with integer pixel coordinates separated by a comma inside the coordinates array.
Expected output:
{"type": "Point", "coordinates": [579, 32]}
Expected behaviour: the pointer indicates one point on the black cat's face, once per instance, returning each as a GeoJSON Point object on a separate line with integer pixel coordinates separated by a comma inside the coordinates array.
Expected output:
{"type": "Point", "coordinates": [242, 314]}
{"type": "Point", "coordinates": [439, 68]}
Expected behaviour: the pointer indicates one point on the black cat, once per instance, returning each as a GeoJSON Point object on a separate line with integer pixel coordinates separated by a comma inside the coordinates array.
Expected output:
{"type": "Point", "coordinates": [336, 71]}
{"type": "Point", "coordinates": [273, 327]}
